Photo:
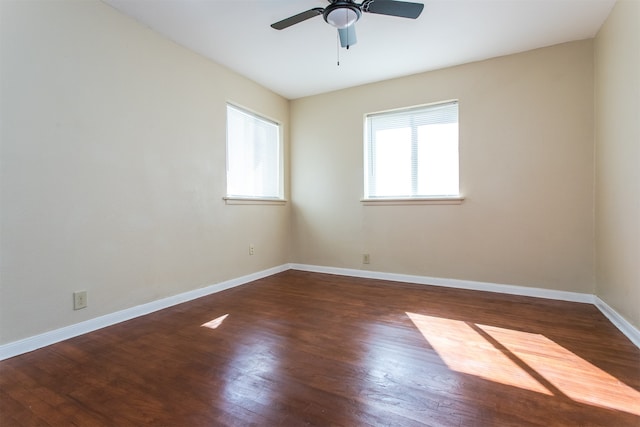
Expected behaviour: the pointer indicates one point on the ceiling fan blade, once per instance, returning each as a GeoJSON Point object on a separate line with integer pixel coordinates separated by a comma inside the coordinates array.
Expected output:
{"type": "Point", "coordinates": [347, 36]}
{"type": "Point", "coordinates": [296, 19]}
{"type": "Point", "coordinates": [402, 9]}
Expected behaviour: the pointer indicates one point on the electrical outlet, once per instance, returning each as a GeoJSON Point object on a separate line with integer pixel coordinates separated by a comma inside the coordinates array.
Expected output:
{"type": "Point", "coordinates": [252, 250]}
{"type": "Point", "coordinates": [365, 259]}
{"type": "Point", "coordinates": [79, 300]}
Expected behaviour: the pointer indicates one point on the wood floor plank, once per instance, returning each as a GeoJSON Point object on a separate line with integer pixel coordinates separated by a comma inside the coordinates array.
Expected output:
{"type": "Point", "coordinates": [301, 348]}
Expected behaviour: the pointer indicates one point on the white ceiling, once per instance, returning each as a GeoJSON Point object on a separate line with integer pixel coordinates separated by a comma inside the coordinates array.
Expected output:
{"type": "Point", "coordinates": [302, 60]}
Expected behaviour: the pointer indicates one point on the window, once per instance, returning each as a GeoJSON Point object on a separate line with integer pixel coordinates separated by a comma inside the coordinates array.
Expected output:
{"type": "Point", "coordinates": [254, 156]}
{"type": "Point", "coordinates": [412, 153]}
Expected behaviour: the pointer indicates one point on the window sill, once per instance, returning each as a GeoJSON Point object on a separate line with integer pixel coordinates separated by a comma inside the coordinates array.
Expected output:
{"type": "Point", "coordinates": [253, 201]}
{"type": "Point", "coordinates": [451, 200]}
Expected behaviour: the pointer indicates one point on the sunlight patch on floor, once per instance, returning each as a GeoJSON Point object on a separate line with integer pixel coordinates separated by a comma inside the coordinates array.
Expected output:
{"type": "Point", "coordinates": [463, 350]}
{"type": "Point", "coordinates": [213, 324]}
{"type": "Point", "coordinates": [572, 375]}
{"type": "Point", "coordinates": [525, 360]}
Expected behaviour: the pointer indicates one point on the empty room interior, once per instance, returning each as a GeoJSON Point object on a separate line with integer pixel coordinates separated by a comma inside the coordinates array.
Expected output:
{"type": "Point", "coordinates": [212, 214]}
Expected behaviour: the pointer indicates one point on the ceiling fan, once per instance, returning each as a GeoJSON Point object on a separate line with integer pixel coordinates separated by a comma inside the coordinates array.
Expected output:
{"type": "Point", "coordinates": [343, 14]}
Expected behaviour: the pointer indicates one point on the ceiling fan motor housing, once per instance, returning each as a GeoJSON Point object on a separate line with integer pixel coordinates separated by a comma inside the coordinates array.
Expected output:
{"type": "Point", "coordinates": [342, 13]}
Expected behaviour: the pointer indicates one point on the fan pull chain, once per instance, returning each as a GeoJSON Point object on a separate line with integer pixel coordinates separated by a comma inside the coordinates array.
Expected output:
{"type": "Point", "coordinates": [338, 48]}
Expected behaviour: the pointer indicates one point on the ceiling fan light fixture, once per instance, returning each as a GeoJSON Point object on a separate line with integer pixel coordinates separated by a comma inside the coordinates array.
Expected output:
{"type": "Point", "coordinates": [341, 15]}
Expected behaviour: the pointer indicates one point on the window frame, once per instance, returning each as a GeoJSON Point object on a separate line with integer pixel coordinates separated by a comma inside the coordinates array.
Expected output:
{"type": "Point", "coordinates": [409, 199]}
{"type": "Point", "coordinates": [238, 199]}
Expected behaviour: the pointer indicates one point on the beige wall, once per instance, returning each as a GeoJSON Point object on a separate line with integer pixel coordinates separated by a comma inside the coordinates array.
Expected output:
{"type": "Point", "coordinates": [526, 144]}
{"type": "Point", "coordinates": [617, 57]}
{"type": "Point", "coordinates": [113, 168]}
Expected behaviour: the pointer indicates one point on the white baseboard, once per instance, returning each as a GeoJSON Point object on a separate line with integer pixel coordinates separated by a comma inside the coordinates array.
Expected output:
{"type": "Point", "coordinates": [619, 322]}
{"type": "Point", "coordinates": [451, 283]}
{"type": "Point", "coordinates": [42, 340]}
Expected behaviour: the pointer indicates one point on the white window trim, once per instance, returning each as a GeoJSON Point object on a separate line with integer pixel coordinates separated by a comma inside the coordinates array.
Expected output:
{"type": "Point", "coordinates": [230, 200]}
{"type": "Point", "coordinates": [390, 201]}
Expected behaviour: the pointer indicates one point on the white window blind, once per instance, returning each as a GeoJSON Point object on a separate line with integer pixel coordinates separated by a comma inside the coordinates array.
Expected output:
{"type": "Point", "coordinates": [254, 156]}
{"type": "Point", "coordinates": [412, 153]}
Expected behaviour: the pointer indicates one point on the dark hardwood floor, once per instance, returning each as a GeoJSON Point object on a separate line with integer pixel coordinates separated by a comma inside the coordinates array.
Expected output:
{"type": "Point", "coordinates": [301, 348]}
